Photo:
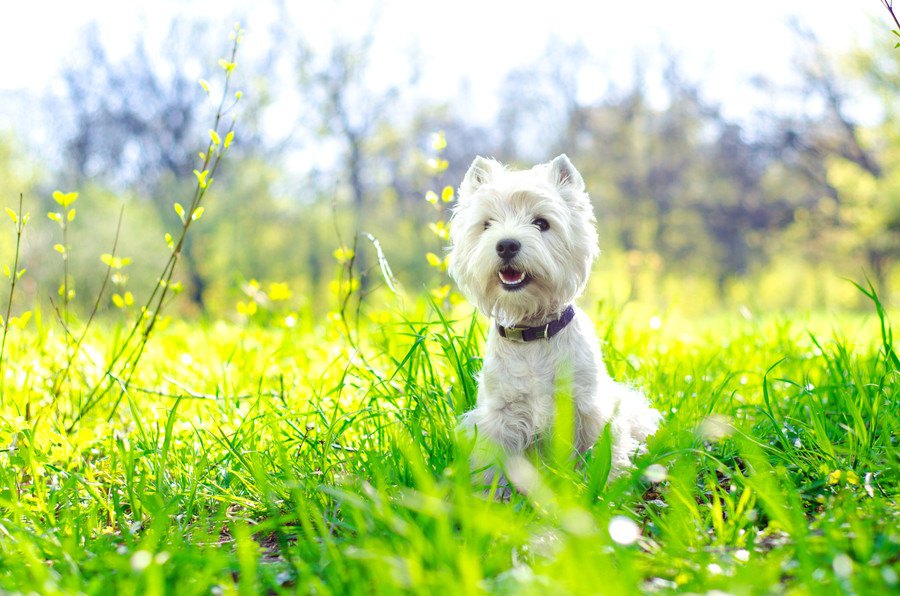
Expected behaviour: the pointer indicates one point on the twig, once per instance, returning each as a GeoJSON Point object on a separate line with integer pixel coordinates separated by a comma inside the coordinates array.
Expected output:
{"type": "Point", "coordinates": [74, 352]}
{"type": "Point", "coordinates": [130, 352]}
{"type": "Point", "coordinates": [14, 276]}
{"type": "Point", "coordinates": [889, 5]}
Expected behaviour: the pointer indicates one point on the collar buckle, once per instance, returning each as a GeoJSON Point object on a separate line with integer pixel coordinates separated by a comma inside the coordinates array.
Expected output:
{"type": "Point", "coordinates": [515, 333]}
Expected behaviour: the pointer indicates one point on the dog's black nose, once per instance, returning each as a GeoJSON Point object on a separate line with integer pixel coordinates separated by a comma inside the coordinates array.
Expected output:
{"type": "Point", "coordinates": [508, 248]}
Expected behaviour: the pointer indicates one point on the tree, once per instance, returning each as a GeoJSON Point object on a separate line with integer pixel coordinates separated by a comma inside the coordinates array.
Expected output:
{"type": "Point", "coordinates": [351, 114]}
{"type": "Point", "coordinates": [137, 121]}
{"type": "Point", "coordinates": [848, 166]}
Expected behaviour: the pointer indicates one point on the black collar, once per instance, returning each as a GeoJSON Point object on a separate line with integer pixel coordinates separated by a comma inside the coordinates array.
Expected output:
{"type": "Point", "coordinates": [546, 331]}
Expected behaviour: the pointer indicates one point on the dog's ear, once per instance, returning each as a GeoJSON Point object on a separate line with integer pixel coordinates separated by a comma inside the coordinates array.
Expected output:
{"type": "Point", "coordinates": [564, 175]}
{"type": "Point", "coordinates": [481, 171]}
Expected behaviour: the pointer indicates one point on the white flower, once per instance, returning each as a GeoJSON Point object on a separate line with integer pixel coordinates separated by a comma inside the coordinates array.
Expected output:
{"type": "Point", "coordinates": [623, 530]}
{"type": "Point", "coordinates": [141, 560]}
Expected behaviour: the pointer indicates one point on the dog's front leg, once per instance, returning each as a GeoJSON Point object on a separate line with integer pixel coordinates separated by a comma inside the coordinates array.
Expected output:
{"type": "Point", "coordinates": [500, 433]}
{"type": "Point", "coordinates": [589, 421]}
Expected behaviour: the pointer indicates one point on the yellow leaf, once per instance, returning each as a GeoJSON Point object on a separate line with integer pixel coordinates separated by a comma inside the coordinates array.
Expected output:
{"type": "Point", "coordinates": [59, 248]}
{"type": "Point", "coordinates": [226, 65]}
{"type": "Point", "coordinates": [197, 213]}
{"type": "Point", "coordinates": [343, 254]}
{"type": "Point", "coordinates": [438, 165]}
{"type": "Point", "coordinates": [447, 194]}
{"type": "Point", "coordinates": [201, 177]}
{"type": "Point", "coordinates": [12, 215]}
{"type": "Point", "coordinates": [71, 215]}
{"type": "Point", "coordinates": [129, 298]}
{"type": "Point", "coordinates": [440, 229]}
{"type": "Point", "coordinates": [54, 216]}
{"type": "Point", "coordinates": [205, 85]}
{"type": "Point", "coordinates": [431, 197]}
{"type": "Point", "coordinates": [180, 211]}
{"type": "Point", "coordinates": [7, 272]}
{"type": "Point", "coordinates": [64, 199]}
{"type": "Point", "coordinates": [438, 141]}
{"type": "Point", "coordinates": [215, 137]}
{"type": "Point", "coordinates": [21, 320]}
{"type": "Point", "coordinates": [433, 259]}
{"type": "Point", "coordinates": [169, 242]}
{"type": "Point", "coordinates": [84, 437]}
{"type": "Point", "coordinates": [441, 293]}
{"type": "Point", "coordinates": [118, 301]}
{"type": "Point", "coordinates": [229, 138]}
{"type": "Point", "coordinates": [114, 262]}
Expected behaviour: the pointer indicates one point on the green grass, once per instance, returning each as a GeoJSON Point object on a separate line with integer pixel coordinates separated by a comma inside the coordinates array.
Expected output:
{"type": "Point", "coordinates": [248, 459]}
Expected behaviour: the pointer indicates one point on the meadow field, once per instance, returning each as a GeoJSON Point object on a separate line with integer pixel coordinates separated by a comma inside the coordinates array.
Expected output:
{"type": "Point", "coordinates": [171, 425]}
{"type": "Point", "coordinates": [315, 456]}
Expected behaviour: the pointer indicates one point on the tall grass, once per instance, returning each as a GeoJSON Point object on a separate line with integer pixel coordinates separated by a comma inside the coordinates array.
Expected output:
{"type": "Point", "coordinates": [285, 460]}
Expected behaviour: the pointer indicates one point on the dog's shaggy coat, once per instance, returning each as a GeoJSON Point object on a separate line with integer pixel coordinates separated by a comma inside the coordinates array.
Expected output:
{"type": "Point", "coordinates": [523, 243]}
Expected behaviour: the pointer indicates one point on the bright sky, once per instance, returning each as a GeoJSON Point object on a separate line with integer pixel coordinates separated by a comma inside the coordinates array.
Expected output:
{"type": "Point", "coordinates": [722, 43]}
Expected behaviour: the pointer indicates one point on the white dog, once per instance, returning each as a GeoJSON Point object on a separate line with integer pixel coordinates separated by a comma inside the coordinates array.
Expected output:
{"type": "Point", "coordinates": [523, 243]}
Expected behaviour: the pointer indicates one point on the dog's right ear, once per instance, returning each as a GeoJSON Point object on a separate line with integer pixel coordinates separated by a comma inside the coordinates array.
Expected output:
{"type": "Point", "coordinates": [480, 172]}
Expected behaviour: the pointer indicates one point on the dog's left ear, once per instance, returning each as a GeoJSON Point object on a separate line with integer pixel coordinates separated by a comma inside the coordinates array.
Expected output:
{"type": "Point", "coordinates": [480, 172]}
{"type": "Point", "coordinates": [564, 175]}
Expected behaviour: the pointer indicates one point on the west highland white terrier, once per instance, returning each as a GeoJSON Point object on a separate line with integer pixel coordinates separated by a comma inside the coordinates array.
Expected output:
{"type": "Point", "coordinates": [523, 243]}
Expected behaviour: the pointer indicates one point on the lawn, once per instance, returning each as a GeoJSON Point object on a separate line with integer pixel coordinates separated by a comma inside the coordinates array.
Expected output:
{"type": "Point", "coordinates": [247, 458]}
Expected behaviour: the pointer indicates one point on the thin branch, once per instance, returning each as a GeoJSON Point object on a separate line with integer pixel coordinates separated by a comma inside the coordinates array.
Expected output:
{"type": "Point", "coordinates": [14, 276]}
{"type": "Point", "coordinates": [87, 325]}
{"type": "Point", "coordinates": [889, 5]}
{"type": "Point", "coordinates": [132, 348]}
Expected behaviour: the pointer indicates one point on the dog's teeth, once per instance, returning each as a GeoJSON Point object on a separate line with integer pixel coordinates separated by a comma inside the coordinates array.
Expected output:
{"type": "Point", "coordinates": [511, 282]}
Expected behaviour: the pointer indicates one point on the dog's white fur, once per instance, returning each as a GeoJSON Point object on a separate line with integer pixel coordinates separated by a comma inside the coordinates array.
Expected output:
{"type": "Point", "coordinates": [518, 382]}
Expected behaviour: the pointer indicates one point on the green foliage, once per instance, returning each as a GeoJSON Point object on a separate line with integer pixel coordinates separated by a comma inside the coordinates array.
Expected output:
{"type": "Point", "coordinates": [286, 460]}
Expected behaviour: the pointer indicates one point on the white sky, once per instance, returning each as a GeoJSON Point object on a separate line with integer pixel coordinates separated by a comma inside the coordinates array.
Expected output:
{"type": "Point", "coordinates": [722, 43]}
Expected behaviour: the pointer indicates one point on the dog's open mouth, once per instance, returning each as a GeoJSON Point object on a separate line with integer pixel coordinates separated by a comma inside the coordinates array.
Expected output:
{"type": "Point", "coordinates": [513, 279]}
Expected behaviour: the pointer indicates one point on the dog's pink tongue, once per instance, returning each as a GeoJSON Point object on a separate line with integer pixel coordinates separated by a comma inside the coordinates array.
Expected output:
{"type": "Point", "coordinates": [511, 276]}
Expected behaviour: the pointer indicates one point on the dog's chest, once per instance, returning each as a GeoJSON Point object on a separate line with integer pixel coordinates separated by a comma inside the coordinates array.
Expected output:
{"type": "Point", "coordinates": [524, 373]}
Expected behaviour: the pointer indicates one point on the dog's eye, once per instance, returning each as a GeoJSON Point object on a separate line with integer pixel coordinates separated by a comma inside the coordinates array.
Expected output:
{"type": "Point", "coordinates": [541, 224]}
{"type": "Point", "coordinates": [487, 224]}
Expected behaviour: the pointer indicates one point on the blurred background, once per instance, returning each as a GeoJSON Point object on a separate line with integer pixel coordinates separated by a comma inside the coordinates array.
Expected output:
{"type": "Point", "coordinates": [738, 154]}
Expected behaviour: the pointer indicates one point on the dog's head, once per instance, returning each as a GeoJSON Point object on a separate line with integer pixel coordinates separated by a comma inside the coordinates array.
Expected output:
{"type": "Point", "coordinates": [523, 241]}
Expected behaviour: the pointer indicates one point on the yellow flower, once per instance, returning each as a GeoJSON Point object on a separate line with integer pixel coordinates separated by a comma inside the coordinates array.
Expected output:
{"type": "Point", "coordinates": [279, 291]}
{"type": "Point", "coordinates": [248, 309]}
{"type": "Point", "coordinates": [848, 476]}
